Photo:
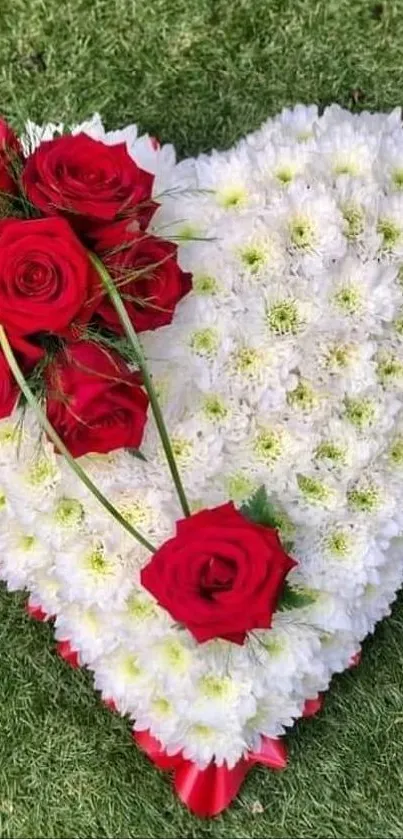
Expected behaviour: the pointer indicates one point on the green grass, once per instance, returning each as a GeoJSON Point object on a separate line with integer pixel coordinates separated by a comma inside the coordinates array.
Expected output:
{"type": "Point", "coordinates": [199, 73]}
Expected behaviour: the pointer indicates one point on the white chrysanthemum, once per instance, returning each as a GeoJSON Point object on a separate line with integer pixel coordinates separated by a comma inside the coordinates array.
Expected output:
{"type": "Point", "coordinates": [345, 151]}
{"type": "Point", "coordinates": [341, 557]}
{"type": "Point", "coordinates": [91, 574]}
{"type": "Point", "coordinates": [22, 555]}
{"type": "Point", "coordinates": [88, 629]}
{"type": "Point", "coordinates": [390, 226]}
{"type": "Point", "coordinates": [362, 295]}
{"type": "Point", "coordinates": [312, 226]}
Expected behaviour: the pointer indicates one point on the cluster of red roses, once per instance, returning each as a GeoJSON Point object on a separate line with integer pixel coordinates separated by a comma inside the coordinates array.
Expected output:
{"type": "Point", "coordinates": [71, 196]}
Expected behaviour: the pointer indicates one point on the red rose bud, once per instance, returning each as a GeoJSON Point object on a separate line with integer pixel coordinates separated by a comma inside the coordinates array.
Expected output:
{"type": "Point", "coordinates": [146, 271]}
{"type": "Point", "coordinates": [47, 282]}
{"type": "Point", "coordinates": [93, 400]}
{"type": "Point", "coordinates": [86, 178]}
{"type": "Point", "coordinates": [10, 159]}
{"type": "Point", "coordinates": [9, 390]}
{"type": "Point", "coordinates": [220, 576]}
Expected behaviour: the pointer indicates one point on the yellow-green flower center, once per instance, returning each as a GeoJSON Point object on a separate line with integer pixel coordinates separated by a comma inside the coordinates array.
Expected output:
{"type": "Point", "coordinates": [41, 471]}
{"type": "Point", "coordinates": [253, 257]}
{"type": "Point", "coordinates": [205, 341]}
{"type": "Point", "coordinates": [161, 707]}
{"type": "Point", "coordinates": [397, 178]}
{"type": "Point", "coordinates": [216, 687]}
{"type": "Point", "coordinates": [390, 231]}
{"type": "Point", "coordinates": [396, 452]}
{"type": "Point", "coordinates": [348, 299]}
{"type": "Point", "coordinates": [232, 197]}
{"type": "Point", "coordinates": [303, 397]}
{"type": "Point", "coordinates": [285, 174]}
{"type": "Point", "coordinates": [354, 219]}
{"type": "Point", "coordinates": [268, 445]}
{"type": "Point", "coordinates": [313, 489]}
{"type": "Point", "coordinates": [139, 608]}
{"type": "Point", "coordinates": [97, 562]}
{"type": "Point", "coordinates": [69, 512]}
{"type": "Point", "coordinates": [363, 499]}
{"type": "Point", "coordinates": [239, 487]}
{"type": "Point", "coordinates": [214, 408]}
{"type": "Point", "coordinates": [175, 655]}
{"type": "Point", "coordinates": [360, 412]}
{"type": "Point", "coordinates": [247, 361]}
{"type": "Point", "coordinates": [130, 667]}
{"type": "Point", "coordinates": [283, 317]}
{"type": "Point", "coordinates": [338, 543]}
{"type": "Point", "coordinates": [182, 449]}
{"type": "Point", "coordinates": [204, 284]}
{"type": "Point", "coordinates": [327, 450]}
{"type": "Point", "coordinates": [136, 512]}
{"type": "Point", "coordinates": [389, 370]}
{"type": "Point", "coordinates": [302, 233]}
{"type": "Point", "coordinates": [339, 356]}
{"type": "Point", "coordinates": [27, 543]}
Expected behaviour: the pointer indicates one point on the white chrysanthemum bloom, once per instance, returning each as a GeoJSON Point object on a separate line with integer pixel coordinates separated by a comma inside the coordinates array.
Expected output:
{"type": "Point", "coordinates": [254, 254]}
{"type": "Point", "coordinates": [283, 654]}
{"type": "Point", "coordinates": [22, 555]}
{"type": "Point", "coordinates": [390, 161]}
{"type": "Point", "coordinates": [362, 295]}
{"type": "Point", "coordinates": [203, 743]}
{"type": "Point", "coordinates": [390, 226]}
{"type": "Point", "coordinates": [338, 649]}
{"type": "Point", "coordinates": [91, 574]}
{"type": "Point", "coordinates": [312, 226]}
{"type": "Point", "coordinates": [229, 178]}
{"type": "Point", "coordinates": [281, 163]}
{"type": "Point", "coordinates": [339, 361]}
{"type": "Point", "coordinates": [88, 629]}
{"type": "Point", "coordinates": [376, 601]}
{"type": "Point", "coordinates": [139, 617]}
{"type": "Point", "coordinates": [345, 151]}
{"type": "Point", "coordinates": [120, 676]}
{"type": "Point", "coordinates": [298, 123]}
{"type": "Point", "coordinates": [355, 199]}
{"type": "Point", "coordinates": [341, 557]}
{"type": "Point", "coordinates": [37, 478]}
{"type": "Point", "coordinates": [275, 712]}
{"type": "Point", "coordinates": [45, 591]}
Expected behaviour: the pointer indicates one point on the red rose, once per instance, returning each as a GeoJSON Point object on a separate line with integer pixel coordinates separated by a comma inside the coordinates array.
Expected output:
{"type": "Point", "coordinates": [47, 282]}
{"type": "Point", "coordinates": [220, 576]}
{"type": "Point", "coordinates": [84, 177]}
{"type": "Point", "coordinates": [10, 156]}
{"type": "Point", "coordinates": [8, 389]}
{"type": "Point", "coordinates": [93, 400]}
{"type": "Point", "coordinates": [147, 273]}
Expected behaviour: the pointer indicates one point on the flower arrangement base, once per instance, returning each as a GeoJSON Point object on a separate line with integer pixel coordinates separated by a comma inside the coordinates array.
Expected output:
{"type": "Point", "coordinates": [275, 347]}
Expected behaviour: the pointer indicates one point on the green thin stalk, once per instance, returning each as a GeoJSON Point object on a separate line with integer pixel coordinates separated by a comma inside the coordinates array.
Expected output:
{"type": "Point", "coordinates": [53, 435]}
{"type": "Point", "coordinates": [147, 380]}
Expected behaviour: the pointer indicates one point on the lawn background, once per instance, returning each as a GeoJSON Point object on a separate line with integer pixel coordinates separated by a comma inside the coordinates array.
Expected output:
{"type": "Point", "coordinates": [198, 73]}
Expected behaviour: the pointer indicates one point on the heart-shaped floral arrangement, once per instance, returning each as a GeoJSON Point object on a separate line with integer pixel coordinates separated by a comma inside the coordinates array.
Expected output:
{"type": "Point", "coordinates": [280, 381]}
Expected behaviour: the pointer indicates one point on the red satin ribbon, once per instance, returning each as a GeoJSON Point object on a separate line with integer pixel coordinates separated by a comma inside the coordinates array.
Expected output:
{"type": "Point", "coordinates": [207, 792]}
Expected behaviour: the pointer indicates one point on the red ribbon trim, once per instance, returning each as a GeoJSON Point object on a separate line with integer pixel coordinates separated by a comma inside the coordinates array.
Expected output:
{"type": "Point", "coordinates": [207, 792]}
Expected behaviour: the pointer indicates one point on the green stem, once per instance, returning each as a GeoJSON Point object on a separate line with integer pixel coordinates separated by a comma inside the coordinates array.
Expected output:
{"type": "Point", "coordinates": [53, 435]}
{"type": "Point", "coordinates": [148, 383]}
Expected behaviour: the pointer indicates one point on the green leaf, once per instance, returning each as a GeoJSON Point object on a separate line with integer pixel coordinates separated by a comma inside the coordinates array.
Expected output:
{"type": "Point", "coordinates": [259, 509]}
{"type": "Point", "coordinates": [138, 454]}
{"type": "Point", "coordinates": [295, 598]}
